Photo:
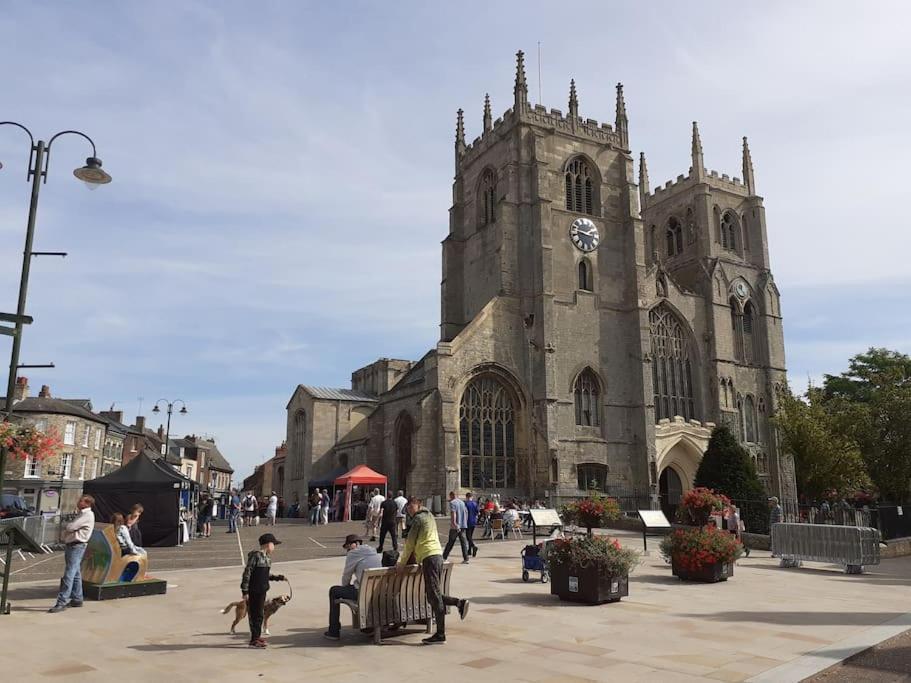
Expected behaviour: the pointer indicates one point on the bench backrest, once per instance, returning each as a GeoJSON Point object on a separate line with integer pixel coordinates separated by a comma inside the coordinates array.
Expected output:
{"type": "Point", "coordinates": [827, 543]}
{"type": "Point", "coordinates": [103, 561]}
{"type": "Point", "coordinates": [387, 597]}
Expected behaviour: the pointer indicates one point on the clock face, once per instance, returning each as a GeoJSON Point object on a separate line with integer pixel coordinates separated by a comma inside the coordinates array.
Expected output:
{"type": "Point", "coordinates": [584, 234]}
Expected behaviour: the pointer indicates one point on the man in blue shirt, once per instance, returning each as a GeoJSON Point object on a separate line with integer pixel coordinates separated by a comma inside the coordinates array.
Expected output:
{"type": "Point", "coordinates": [472, 508]}
{"type": "Point", "coordinates": [233, 511]}
{"type": "Point", "coordinates": [458, 523]}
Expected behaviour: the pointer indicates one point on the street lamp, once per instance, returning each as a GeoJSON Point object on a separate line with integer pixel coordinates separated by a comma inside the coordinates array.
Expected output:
{"type": "Point", "coordinates": [170, 404]}
{"type": "Point", "coordinates": [38, 164]}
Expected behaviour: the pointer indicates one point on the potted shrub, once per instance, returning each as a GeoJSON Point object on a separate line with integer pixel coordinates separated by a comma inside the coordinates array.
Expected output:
{"type": "Point", "coordinates": [592, 512]}
{"type": "Point", "coordinates": [701, 553]}
{"type": "Point", "coordinates": [592, 569]}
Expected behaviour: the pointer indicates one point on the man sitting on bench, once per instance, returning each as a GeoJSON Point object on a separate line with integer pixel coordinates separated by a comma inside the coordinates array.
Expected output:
{"type": "Point", "coordinates": [359, 558]}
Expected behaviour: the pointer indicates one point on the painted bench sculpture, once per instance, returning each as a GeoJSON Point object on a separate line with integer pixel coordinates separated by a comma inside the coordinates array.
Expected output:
{"type": "Point", "coordinates": [106, 573]}
{"type": "Point", "coordinates": [389, 599]}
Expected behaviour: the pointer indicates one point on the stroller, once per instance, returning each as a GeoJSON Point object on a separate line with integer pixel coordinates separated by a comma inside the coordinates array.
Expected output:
{"type": "Point", "coordinates": [533, 561]}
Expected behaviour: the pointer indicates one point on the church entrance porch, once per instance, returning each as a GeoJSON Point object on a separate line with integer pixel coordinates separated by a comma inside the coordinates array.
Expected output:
{"type": "Point", "coordinates": [679, 446]}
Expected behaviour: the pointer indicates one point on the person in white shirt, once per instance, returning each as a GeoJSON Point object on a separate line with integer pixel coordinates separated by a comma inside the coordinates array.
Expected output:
{"type": "Point", "coordinates": [401, 501]}
{"type": "Point", "coordinates": [122, 532]}
{"type": "Point", "coordinates": [76, 536]}
{"type": "Point", "coordinates": [359, 558]}
{"type": "Point", "coordinates": [373, 513]}
{"type": "Point", "coordinates": [272, 508]}
{"type": "Point", "coordinates": [510, 515]}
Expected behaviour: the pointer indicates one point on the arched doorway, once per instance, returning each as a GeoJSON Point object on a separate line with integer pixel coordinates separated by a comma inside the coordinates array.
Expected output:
{"type": "Point", "coordinates": [404, 437]}
{"type": "Point", "coordinates": [670, 490]}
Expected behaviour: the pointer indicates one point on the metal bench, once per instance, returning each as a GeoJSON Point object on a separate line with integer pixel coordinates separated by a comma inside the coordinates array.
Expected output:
{"type": "Point", "coordinates": [852, 547]}
{"type": "Point", "coordinates": [389, 599]}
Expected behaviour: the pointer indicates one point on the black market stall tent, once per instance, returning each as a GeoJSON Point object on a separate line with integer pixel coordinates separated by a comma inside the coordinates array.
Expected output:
{"type": "Point", "coordinates": [155, 486]}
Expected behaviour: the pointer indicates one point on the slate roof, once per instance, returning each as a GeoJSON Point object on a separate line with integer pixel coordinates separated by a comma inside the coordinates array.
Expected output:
{"type": "Point", "coordinates": [338, 394]}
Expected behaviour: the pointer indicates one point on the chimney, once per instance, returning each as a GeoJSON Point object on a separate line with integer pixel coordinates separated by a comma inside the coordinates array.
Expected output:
{"type": "Point", "coordinates": [116, 415]}
{"type": "Point", "coordinates": [21, 391]}
{"type": "Point", "coordinates": [45, 391]}
{"type": "Point", "coordinates": [161, 433]}
{"type": "Point", "coordinates": [140, 424]}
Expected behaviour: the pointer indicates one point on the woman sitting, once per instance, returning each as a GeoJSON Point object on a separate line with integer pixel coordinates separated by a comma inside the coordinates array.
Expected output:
{"type": "Point", "coordinates": [122, 532]}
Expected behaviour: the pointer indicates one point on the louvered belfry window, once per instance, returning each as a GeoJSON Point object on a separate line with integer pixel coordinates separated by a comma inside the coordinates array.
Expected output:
{"type": "Point", "coordinates": [580, 188]}
{"type": "Point", "coordinates": [672, 374]}
{"type": "Point", "coordinates": [487, 198]}
{"type": "Point", "coordinates": [587, 394]}
{"type": "Point", "coordinates": [487, 436]}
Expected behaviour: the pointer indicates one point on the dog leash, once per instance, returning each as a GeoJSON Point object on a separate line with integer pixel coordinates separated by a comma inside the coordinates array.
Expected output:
{"type": "Point", "coordinates": [290, 589]}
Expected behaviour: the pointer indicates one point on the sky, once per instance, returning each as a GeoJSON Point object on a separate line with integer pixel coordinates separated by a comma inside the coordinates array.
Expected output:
{"type": "Point", "coordinates": [282, 176]}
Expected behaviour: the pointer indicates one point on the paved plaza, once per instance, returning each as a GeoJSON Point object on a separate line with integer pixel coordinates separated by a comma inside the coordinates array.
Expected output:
{"type": "Point", "coordinates": [765, 624]}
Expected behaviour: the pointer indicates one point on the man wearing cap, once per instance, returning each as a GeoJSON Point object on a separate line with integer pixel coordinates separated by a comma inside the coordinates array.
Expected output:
{"type": "Point", "coordinates": [774, 518]}
{"type": "Point", "coordinates": [255, 584]}
{"type": "Point", "coordinates": [359, 558]}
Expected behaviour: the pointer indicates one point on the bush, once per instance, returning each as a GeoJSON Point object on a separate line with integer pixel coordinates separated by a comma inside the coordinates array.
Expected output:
{"type": "Point", "coordinates": [696, 547]}
{"type": "Point", "coordinates": [606, 554]}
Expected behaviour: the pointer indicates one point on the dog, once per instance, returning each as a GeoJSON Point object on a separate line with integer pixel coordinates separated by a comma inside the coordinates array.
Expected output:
{"type": "Point", "coordinates": [272, 606]}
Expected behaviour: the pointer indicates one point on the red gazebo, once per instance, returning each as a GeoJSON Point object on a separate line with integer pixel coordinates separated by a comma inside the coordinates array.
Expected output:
{"type": "Point", "coordinates": [360, 475]}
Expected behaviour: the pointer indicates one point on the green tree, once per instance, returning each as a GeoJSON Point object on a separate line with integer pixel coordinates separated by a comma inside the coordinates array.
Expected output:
{"type": "Point", "coordinates": [727, 468]}
{"type": "Point", "coordinates": [871, 405]}
{"type": "Point", "coordinates": [824, 459]}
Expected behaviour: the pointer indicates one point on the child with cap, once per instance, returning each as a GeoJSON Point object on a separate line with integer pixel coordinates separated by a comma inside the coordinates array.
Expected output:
{"type": "Point", "coordinates": [255, 584]}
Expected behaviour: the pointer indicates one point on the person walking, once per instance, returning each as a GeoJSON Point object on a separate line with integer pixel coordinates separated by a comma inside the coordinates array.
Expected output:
{"type": "Point", "coordinates": [472, 507]}
{"type": "Point", "coordinates": [774, 518]}
{"type": "Point", "coordinates": [76, 537]}
{"type": "Point", "coordinates": [233, 511]}
{"type": "Point", "coordinates": [254, 584]}
{"type": "Point", "coordinates": [372, 519]}
{"type": "Point", "coordinates": [458, 523]}
{"type": "Point", "coordinates": [359, 557]}
{"type": "Point", "coordinates": [424, 542]}
{"type": "Point", "coordinates": [313, 511]}
{"type": "Point", "coordinates": [249, 508]}
{"type": "Point", "coordinates": [207, 510]}
{"type": "Point", "coordinates": [401, 501]}
{"type": "Point", "coordinates": [388, 511]}
{"type": "Point", "coordinates": [324, 507]}
{"type": "Point", "coordinates": [272, 509]}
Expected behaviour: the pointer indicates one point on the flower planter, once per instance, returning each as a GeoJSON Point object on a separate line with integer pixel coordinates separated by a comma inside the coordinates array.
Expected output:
{"type": "Point", "coordinates": [587, 585]}
{"type": "Point", "coordinates": [708, 573]}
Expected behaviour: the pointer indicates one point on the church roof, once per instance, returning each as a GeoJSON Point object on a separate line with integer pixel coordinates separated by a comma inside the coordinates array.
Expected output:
{"type": "Point", "coordinates": [338, 394]}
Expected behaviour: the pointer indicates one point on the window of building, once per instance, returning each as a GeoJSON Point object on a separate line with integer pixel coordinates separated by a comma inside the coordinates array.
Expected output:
{"type": "Point", "coordinates": [94, 468]}
{"type": "Point", "coordinates": [592, 476]}
{"type": "Point", "coordinates": [98, 436]}
{"type": "Point", "coordinates": [487, 436]}
{"type": "Point", "coordinates": [41, 425]}
{"type": "Point", "coordinates": [585, 275]}
{"type": "Point", "coordinates": [82, 467]}
{"type": "Point", "coordinates": [66, 462]}
{"type": "Point", "coordinates": [729, 230]}
{"type": "Point", "coordinates": [672, 374]}
{"type": "Point", "coordinates": [69, 434]}
{"type": "Point", "coordinates": [737, 330]}
{"type": "Point", "coordinates": [587, 395]}
{"type": "Point", "coordinates": [487, 198]}
{"type": "Point", "coordinates": [748, 350]}
{"type": "Point", "coordinates": [749, 416]}
{"type": "Point", "coordinates": [297, 444]}
{"type": "Point", "coordinates": [580, 188]}
{"type": "Point", "coordinates": [674, 237]}
{"type": "Point", "coordinates": [32, 467]}
{"type": "Point", "coordinates": [86, 436]}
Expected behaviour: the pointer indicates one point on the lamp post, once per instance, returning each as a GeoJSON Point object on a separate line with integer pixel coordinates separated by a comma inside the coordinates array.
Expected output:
{"type": "Point", "coordinates": [38, 164]}
{"type": "Point", "coordinates": [170, 409]}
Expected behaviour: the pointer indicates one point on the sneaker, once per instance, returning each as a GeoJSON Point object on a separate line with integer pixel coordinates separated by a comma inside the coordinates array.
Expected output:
{"type": "Point", "coordinates": [56, 608]}
{"type": "Point", "coordinates": [474, 551]}
{"type": "Point", "coordinates": [261, 644]}
{"type": "Point", "coordinates": [466, 561]}
{"type": "Point", "coordinates": [75, 603]}
{"type": "Point", "coordinates": [463, 609]}
{"type": "Point", "coordinates": [331, 636]}
{"type": "Point", "coordinates": [434, 639]}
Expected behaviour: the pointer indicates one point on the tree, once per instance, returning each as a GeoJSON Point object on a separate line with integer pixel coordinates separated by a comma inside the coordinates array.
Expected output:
{"type": "Point", "coordinates": [727, 468]}
{"type": "Point", "coordinates": [824, 459]}
{"type": "Point", "coordinates": [871, 404]}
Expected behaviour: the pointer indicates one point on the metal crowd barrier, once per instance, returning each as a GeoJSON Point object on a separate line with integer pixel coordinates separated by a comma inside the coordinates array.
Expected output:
{"type": "Point", "coordinates": [45, 529]}
{"type": "Point", "coordinates": [850, 546]}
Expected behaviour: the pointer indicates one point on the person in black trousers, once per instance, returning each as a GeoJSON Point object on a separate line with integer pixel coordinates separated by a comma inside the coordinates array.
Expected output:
{"type": "Point", "coordinates": [388, 511]}
{"type": "Point", "coordinates": [255, 584]}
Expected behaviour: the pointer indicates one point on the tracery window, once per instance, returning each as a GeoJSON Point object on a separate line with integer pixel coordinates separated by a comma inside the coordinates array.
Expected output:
{"type": "Point", "coordinates": [587, 394]}
{"type": "Point", "coordinates": [299, 433]}
{"type": "Point", "coordinates": [585, 275]}
{"type": "Point", "coordinates": [737, 330]}
{"type": "Point", "coordinates": [580, 188]}
{"type": "Point", "coordinates": [487, 198]}
{"type": "Point", "coordinates": [749, 416]}
{"type": "Point", "coordinates": [748, 350]}
{"type": "Point", "coordinates": [487, 441]}
{"type": "Point", "coordinates": [729, 231]}
{"type": "Point", "coordinates": [674, 237]}
{"type": "Point", "coordinates": [592, 476]}
{"type": "Point", "coordinates": [672, 373]}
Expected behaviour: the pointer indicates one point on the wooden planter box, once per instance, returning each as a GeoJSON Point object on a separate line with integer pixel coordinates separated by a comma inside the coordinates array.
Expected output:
{"type": "Point", "coordinates": [577, 584]}
{"type": "Point", "coordinates": [711, 573]}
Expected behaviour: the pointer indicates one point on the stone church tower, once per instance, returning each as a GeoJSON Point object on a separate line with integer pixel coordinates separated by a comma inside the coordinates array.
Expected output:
{"type": "Point", "coordinates": [591, 331]}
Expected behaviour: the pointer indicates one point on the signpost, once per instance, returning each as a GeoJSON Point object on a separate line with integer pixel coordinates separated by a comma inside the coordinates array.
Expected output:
{"type": "Point", "coordinates": [653, 522]}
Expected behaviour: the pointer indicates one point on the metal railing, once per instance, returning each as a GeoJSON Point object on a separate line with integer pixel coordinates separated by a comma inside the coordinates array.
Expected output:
{"type": "Point", "coordinates": [45, 529]}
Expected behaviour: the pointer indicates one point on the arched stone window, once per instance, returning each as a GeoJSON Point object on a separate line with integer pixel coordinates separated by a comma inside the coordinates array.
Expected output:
{"type": "Point", "coordinates": [592, 476]}
{"type": "Point", "coordinates": [740, 434]}
{"type": "Point", "coordinates": [587, 395]}
{"type": "Point", "coordinates": [299, 435]}
{"type": "Point", "coordinates": [674, 237]}
{"type": "Point", "coordinates": [581, 192]}
{"type": "Point", "coordinates": [729, 230]}
{"type": "Point", "coordinates": [748, 349]}
{"type": "Point", "coordinates": [672, 372]}
{"type": "Point", "coordinates": [737, 330]}
{"type": "Point", "coordinates": [761, 421]}
{"type": "Point", "coordinates": [487, 198]}
{"type": "Point", "coordinates": [585, 275]}
{"type": "Point", "coordinates": [487, 435]}
{"type": "Point", "coordinates": [749, 417]}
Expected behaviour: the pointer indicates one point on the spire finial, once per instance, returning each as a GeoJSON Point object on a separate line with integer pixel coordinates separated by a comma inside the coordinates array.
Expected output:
{"type": "Point", "coordinates": [643, 180]}
{"type": "Point", "coordinates": [748, 179]}
{"type": "Point", "coordinates": [621, 124]}
{"type": "Point", "coordinates": [488, 120]}
{"type": "Point", "coordinates": [573, 100]}
{"type": "Point", "coordinates": [460, 137]}
{"type": "Point", "coordinates": [698, 162]}
{"type": "Point", "coordinates": [521, 87]}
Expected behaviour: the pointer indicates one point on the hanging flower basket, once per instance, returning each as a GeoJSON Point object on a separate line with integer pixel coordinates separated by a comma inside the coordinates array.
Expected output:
{"type": "Point", "coordinates": [24, 441]}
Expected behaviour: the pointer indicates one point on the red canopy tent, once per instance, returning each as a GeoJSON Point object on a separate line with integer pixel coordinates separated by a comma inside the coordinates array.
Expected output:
{"type": "Point", "coordinates": [360, 475]}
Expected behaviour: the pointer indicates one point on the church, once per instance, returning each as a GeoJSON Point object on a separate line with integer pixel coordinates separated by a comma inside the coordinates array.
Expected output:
{"type": "Point", "coordinates": [593, 329]}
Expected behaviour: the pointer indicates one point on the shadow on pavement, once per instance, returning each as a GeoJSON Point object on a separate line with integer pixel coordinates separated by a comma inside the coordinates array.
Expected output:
{"type": "Point", "coordinates": [802, 618]}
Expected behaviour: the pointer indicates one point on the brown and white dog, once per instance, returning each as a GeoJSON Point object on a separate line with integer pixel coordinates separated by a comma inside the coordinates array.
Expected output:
{"type": "Point", "coordinates": [272, 606]}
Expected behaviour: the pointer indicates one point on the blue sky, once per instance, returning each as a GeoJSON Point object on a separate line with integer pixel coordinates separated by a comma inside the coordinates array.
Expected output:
{"type": "Point", "coordinates": [282, 176]}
